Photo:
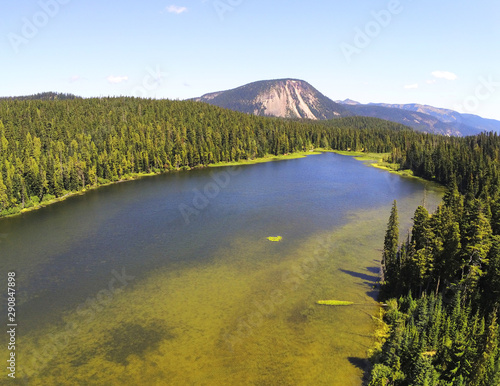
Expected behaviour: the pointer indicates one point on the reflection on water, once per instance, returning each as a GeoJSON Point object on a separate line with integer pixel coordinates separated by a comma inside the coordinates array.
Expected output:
{"type": "Point", "coordinates": [120, 289]}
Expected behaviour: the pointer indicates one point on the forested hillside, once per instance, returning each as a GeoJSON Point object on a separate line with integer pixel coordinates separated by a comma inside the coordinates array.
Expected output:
{"type": "Point", "coordinates": [442, 282]}
{"type": "Point", "coordinates": [50, 148]}
{"type": "Point", "coordinates": [473, 162]}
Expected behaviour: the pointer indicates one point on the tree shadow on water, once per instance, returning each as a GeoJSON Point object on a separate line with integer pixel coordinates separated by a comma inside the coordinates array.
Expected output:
{"type": "Point", "coordinates": [362, 364]}
{"type": "Point", "coordinates": [369, 280]}
{"type": "Point", "coordinates": [364, 276]}
{"type": "Point", "coordinates": [374, 294]}
{"type": "Point", "coordinates": [375, 270]}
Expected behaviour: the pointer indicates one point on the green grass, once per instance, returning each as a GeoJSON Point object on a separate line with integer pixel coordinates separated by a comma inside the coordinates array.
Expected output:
{"type": "Point", "coordinates": [266, 158]}
{"type": "Point", "coordinates": [378, 160]}
{"type": "Point", "coordinates": [394, 168]}
{"type": "Point", "coordinates": [334, 303]}
{"type": "Point", "coordinates": [364, 156]}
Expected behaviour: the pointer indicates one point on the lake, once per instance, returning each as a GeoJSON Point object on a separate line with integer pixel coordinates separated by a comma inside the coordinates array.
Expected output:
{"type": "Point", "coordinates": [170, 280]}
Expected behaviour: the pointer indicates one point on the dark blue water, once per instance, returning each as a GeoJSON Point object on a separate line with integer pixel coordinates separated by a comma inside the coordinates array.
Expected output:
{"type": "Point", "coordinates": [64, 252]}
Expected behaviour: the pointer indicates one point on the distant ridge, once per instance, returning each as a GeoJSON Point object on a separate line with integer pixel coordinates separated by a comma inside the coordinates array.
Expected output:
{"type": "Point", "coordinates": [348, 102]}
{"type": "Point", "coordinates": [463, 122]}
{"type": "Point", "coordinates": [44, 96]}
{"type": "Point", "coordinates": [294, 98]}
{"type": "Point", "coordinates": [416, 120]}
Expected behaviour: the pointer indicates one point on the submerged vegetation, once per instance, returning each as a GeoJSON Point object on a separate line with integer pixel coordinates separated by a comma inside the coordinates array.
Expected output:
{"type": "Point", "coordinates": [223, 320]}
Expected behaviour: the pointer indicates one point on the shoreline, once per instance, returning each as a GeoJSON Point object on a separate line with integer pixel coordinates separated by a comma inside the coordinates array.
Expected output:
{"type": "Point", "coordinates": [137, 176]}
{"type": "Point", "coordinates": [370, 159]}
{"type": "Point", "coordinates": [267, 158]}
{"type": "Point", "coordinates": [376, 160]}
{"type": "Point", "coordinates": [44, 204]}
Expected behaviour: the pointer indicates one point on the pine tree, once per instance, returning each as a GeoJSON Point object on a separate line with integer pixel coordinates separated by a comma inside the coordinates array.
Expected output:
{"type": "Point", "coordinates": [488, 360]}
{"type": "Point", "coordinates": [421, 255]}
{"type": "Point", "coordinates": [446, 247]}
{"type": "Point", "coordinates": [420, 235]}
{"type": "Point", "coordinates": [495, 217]}
{"type": "Point", "coordinates": [453, 199]}
{"type": "Point", "coordinates": [380, 375]}
{"type": "Point", "coordinates": [490, 284]}
{"type": "Point", "coordinates": [423, 373]}
{"type": "Point", "coordinates": [4, 199]}
{"type": "Point", "coordinates": [476, 241]}
{"type": "Point", "coordinates": [390, 261]}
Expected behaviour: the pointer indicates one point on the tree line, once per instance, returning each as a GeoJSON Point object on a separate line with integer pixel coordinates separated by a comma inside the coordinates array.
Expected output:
{"type": "Point", "coordinates": [470, 162]}
{"type": "Point", "coordinates": [49, 148]}
{"type": "Point", "coordinates": [441, 283]}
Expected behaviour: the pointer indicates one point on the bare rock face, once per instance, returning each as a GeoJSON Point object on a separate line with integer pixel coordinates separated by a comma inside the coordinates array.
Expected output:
{"type": "Point", "coordinates": [285, 98]}
{"type": "Point", "coordinates": [290, 99]}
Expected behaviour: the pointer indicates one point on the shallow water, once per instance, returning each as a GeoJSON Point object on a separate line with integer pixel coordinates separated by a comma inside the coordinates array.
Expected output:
{"type": "Point", "coordinates": [171, 280]}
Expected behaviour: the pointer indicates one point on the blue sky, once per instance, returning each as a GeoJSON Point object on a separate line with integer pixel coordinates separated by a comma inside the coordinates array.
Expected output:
{"type": "Point", "coordinates": [442, 53]}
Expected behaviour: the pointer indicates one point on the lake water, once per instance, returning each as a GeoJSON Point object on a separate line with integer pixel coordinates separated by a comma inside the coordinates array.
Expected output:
{"type": "Point", "coordinates": [170, 280]}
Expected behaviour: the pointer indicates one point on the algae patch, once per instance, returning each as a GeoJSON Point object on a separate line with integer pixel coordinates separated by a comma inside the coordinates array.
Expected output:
{"type": "Point", "coordinates": [334, 303]}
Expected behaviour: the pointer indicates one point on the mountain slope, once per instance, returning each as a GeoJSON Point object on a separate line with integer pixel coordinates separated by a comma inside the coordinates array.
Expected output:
{"type": "Point", "coordinates": [285, 98]}
{"type": "Point", "coordinates": [415, 119]}
{"type": "Point", "coordinates": [293, 98]}
{"type": "Point", "coordinates": [481, 123]}
{"type": "Point", "coordinates": [466, 123]}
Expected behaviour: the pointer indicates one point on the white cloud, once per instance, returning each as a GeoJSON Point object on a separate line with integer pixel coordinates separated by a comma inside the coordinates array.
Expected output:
{"type": "Point", "coordinates": [430, 81]}
{"type": "Point", "coordinates": [117, 79]}
{"type": "Point", "coordinates": [444, 75]}
{"type": "Point", "coordinates": [176, 9]}
{"type": "Point", "coordinates": [75, 78]}
{"type": "Point", "coordinates": [411, 86]}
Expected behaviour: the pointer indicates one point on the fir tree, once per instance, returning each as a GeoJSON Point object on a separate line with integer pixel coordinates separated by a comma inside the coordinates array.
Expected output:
{"type": "Point", "coordinates": [390, 261]}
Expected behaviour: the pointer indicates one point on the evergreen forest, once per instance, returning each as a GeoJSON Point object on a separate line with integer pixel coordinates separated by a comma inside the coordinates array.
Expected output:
{"type": "Point", "coordinates": [441, 283]}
